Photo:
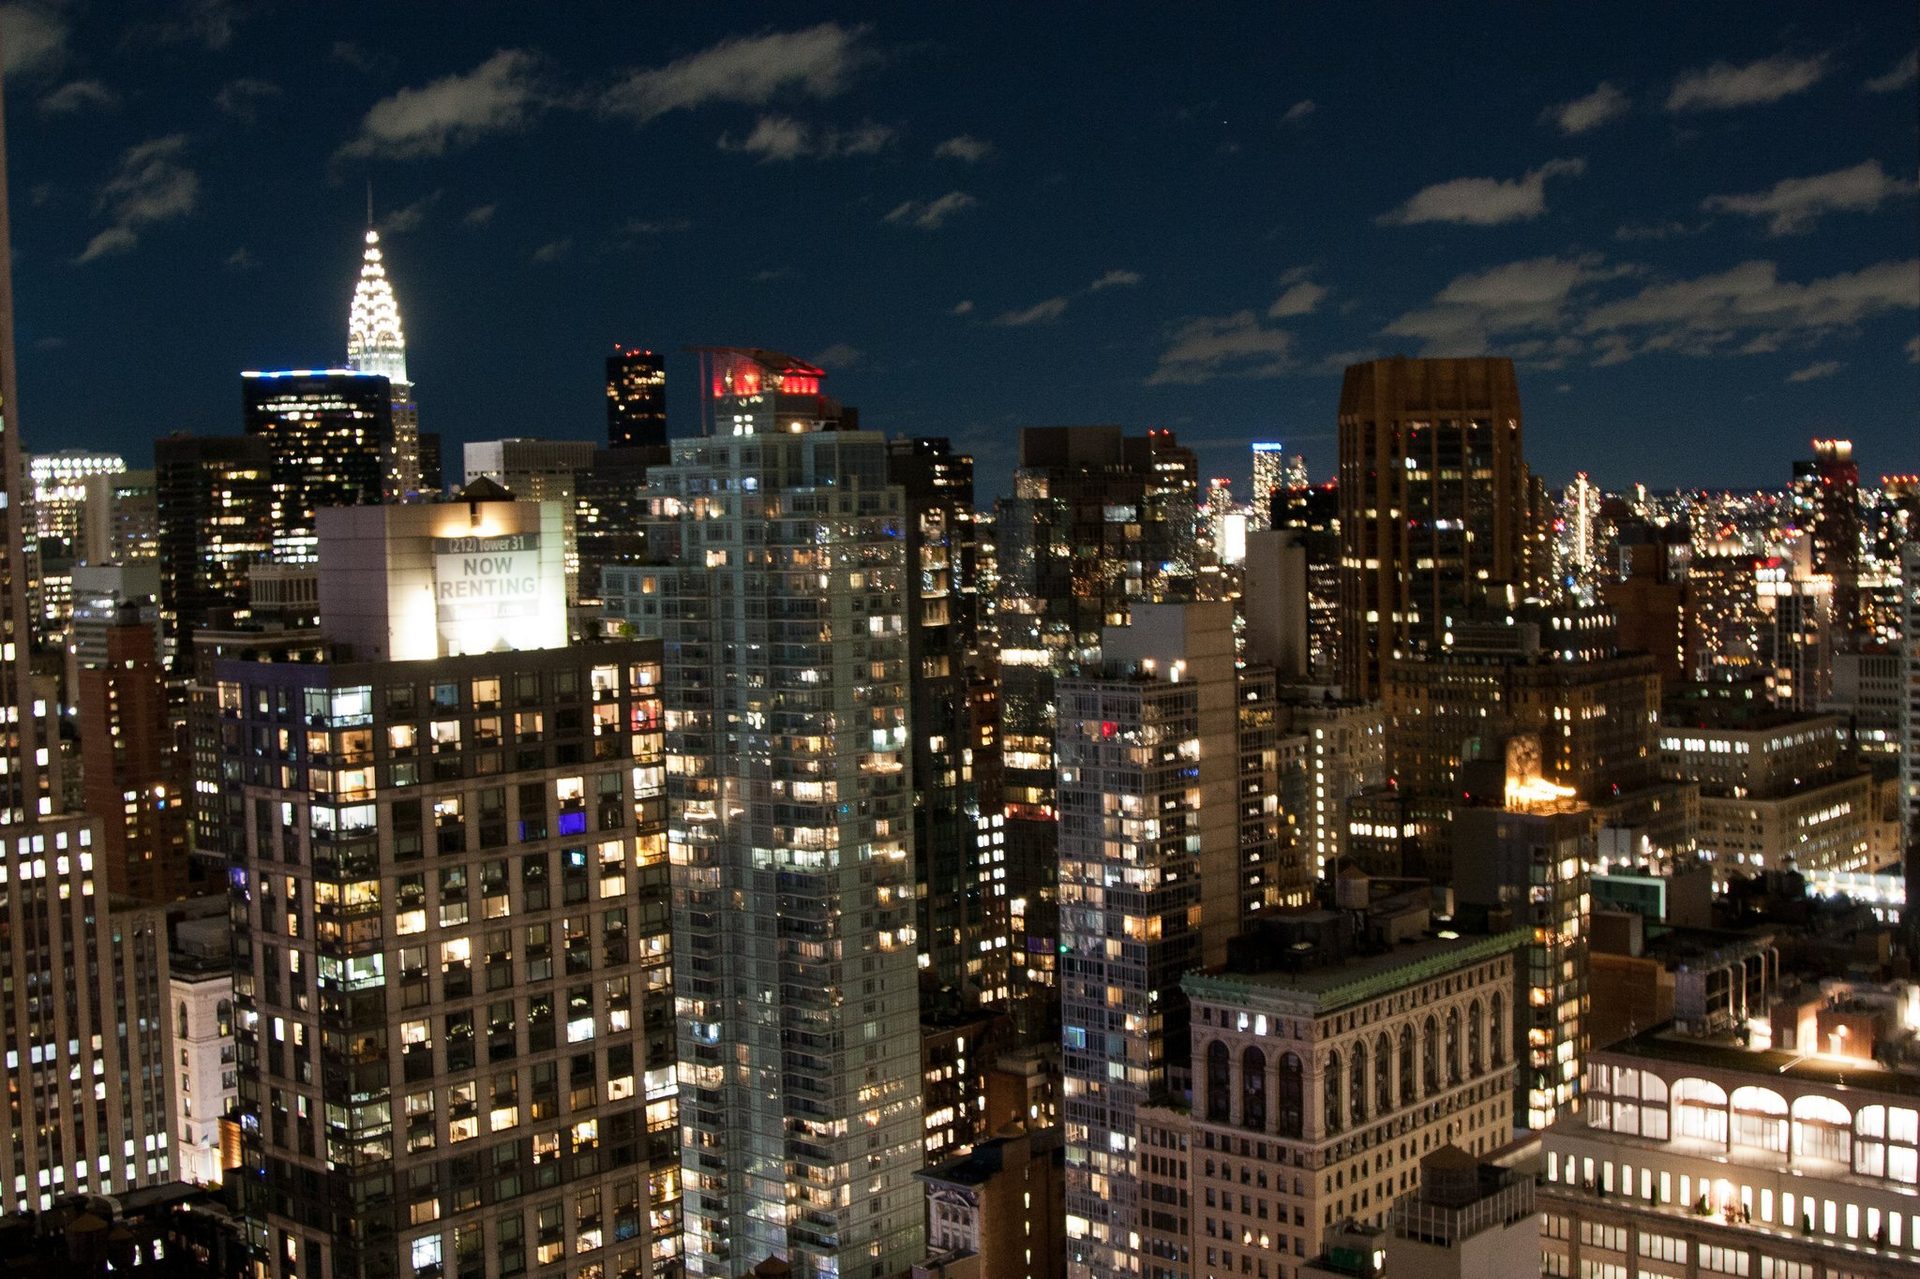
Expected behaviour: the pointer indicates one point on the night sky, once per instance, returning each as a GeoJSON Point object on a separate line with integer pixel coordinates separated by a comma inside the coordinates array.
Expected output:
{"type": "Point", "coordinates": [1694, 226]}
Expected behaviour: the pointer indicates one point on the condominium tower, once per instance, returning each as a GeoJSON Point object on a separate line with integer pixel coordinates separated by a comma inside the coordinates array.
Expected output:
{"type": "Point", "coordinates": [790, 824]}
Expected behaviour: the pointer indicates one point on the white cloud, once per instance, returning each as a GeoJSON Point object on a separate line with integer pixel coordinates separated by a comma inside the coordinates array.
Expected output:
{"type": "Point", "coordinates": [816, 62]}
{"type": "Point", "coordinates": [1042, 312]}
{"type": "Point", "coordinates": [1113, 280]}
{"type": "Point", "coordinates": [408, 217]}
{"type": "Point", "coordinates": [553, 250]}
{"type": "Point", "coordinates": [1795, 204]}
{"type": "Point", "coordinates": [1214, 346]}
{"type": "Point", "coordinates": [841, 355]}
{"type": "Point", "coordinates": [1526, 300]}
{"type": "Point", "coordinates": [1482, 201]}
{"type": "Point", "coordinates": [242, 98]}
{"type": "Point", "coordinates": [79, 96]}
{"type": "Point", "coordinates": [963, 307]}
{"type": "Point", "coordinates": [1814, 372]}
{"type": "Point", "coordinates": [965, 147]}
{"type": "Point", "coordinates": [1299, 111]}
{"type": "Point", "coordinates": [241, 259]}
{"type": "Point", "coordinates": [1654, 230]}
{"type": "Point", "coordinates": [1724, 85]}
{"type": "Point", "coordinates": [479, 215]}
{"type": "Point", "coordinates": [1902, 75]}
{"type": "Point", "coordinates": [150, 185]}
{"type": "Point", "coordinates": [1590, 112]}
{"type": "Point", "coordinates": [453, 111]}
{"type": "Point", "coordinates": [35, 38]}
{"type": "Point", "coordinates": [1748, 304]}
{"type": "Point", "coordinates": [1300, 299]}
{"type": "Point", "coordinates": [932, 214]}
{"type": "Point", "coordinates": [1912, 349]}
{"type": "Point", "coordinates": [779, 137]}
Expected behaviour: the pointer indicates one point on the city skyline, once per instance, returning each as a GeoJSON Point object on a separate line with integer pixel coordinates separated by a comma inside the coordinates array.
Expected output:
{"type": "Point", "coordinates": [1666, 239]}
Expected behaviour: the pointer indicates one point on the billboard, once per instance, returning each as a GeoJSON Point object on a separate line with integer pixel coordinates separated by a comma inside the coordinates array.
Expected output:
{"type": "Point", "coordinates": [480, 582]}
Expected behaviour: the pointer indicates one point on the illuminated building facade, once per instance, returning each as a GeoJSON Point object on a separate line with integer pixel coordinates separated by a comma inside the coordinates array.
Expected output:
{"type": "Point", "coordinates": [1321, 1079]}
{"type": "Point", "coordinates": [994, 1212]}
{"type": "Point", "coordinates": [1910, 691]}
{"type": "Point", "coordinates": [376, 345]}
{"type": "Point", "coordinates": [133, 776]}
{"type": "Point", "coordinates": [1153, 882]}
{"type": "Point", "coordinates": [1346, 753]}
{"type": "Point", "coordinates": [85, 1070]}
{"type": "Point", "coordinates": [215, 498]}
{"type": "Point", "coordinates": [784, 613]}
{"type": "Point", "coordinates": [541, 471]}
{"type": "Point", "coordinates": [636, 399]}
{"type": "Point", "coordinates": [1698, 1155]}
{"type": "Point", "coordinates": [1269, 478]}
{"type": "Point", "coordinates": [60, 505]}
{"type": "Point", "coordinates": [959, 850]}
{"type": "Point", "coordinates": [1098, 521]}
{"type": "Point", "coordinates": [455, 1004]}
{"type": "Point", "coordinates": [331, 436]}
{"type": "Point", "coordinates": [1313, 516]}
{"type": "Point", "coordinates": [1435, 505]}
{"type": "Point", "coordinates": [1826, 504]}
{"type": "Point", "coordinates": [1523, 845]}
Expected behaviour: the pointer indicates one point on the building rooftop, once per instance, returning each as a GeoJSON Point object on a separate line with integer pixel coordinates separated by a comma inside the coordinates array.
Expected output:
{"type": "Point", "coordinates": [1356, 978]}
{"type": "Point", "coordinates": [1663, 1043]}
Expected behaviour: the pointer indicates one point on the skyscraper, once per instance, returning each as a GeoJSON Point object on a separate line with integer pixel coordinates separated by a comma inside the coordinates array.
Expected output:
{"type": "Point", "coordinates": [331, 432]}
{"type": "Point", "coordinates": [790, 827]}
{"type": "Point", "coordinates": [1826, 501]}
{"type": "Point", "coordinates": [1269, 477]}
{"type": "Point", "coordinates": [215, 501]}
{"type": "Point", "coordinates": [376, 345]}
{"type": "Point", "coordinates": [1434, 504]}
{"type": "Point", "coordinates": [636, 399]}
{"type": "Point", "coordinates": [85, 1067]}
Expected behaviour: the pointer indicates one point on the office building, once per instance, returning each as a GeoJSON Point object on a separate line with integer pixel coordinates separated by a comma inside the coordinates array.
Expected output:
{"type": "Point", "coordinates": [1552, 672]}
{"type": "Point", "coordinates": [636, 399]}
{"type": "Point", "coordinates": [1523, 847]}
{"type": "Point", "coordinates": [791, 829]}
{"type": "Point", "coordinates": [1154, 880]}
{"type": "Point", "coordinates": [85, 1064]}
{"type": "Point", "coordinates": [994, 1212]}
{"type": "Point", "coordinates": [1435, 505]}
{"type": "Point", "coordinates": [134, 777]}
{"type": "Point", "coordinates": [1797, 631]}
{"type": "Point", "coordinates": [1098, 521]}
{"type": "Point", "coordinates": [1791, 1155]}
{"type": "Point", "coordinates": [1312, 515]}
{"type": "Point", "coordinates": [1775, 792]}
{"type": "Point", "coordinates": [1269, 478]}
{"type": "Point", "coordinates": [1910, 693]}
{"type": "Point", "coordinates": [455, 1007]}
{"type": "Point", "coordinates": [963, 927]}
{"type": "Point", "coordinates": [1826, 506]}
{"type": "Point", "coordinates": [330, 433]}
{"type": "Point", "coordinates": [119, 518]}
{"type": "Point", "coordinates": [376, 345]}
{"type": "Point", "coordinates": [215, 498]}
{"type": "Point", "coordinates": [59, 486]}
{"type": "Point", "coordinates": [433, 475]}
{"type": "Point", "coordinates": [1345, 754]}
{"type": "Point", "coordinates": [1330, 1056]}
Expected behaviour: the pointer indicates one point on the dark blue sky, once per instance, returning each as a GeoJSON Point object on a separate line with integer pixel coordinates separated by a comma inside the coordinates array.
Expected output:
{"type": "Point", "coordinates": [1695, 226]}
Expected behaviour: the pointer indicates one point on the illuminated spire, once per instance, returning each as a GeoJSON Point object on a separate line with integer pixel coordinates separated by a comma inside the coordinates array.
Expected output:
{"type": "Point", "coordinates": [375, 343]}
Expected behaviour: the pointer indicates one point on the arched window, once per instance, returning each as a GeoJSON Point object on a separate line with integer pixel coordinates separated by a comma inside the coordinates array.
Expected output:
{"type": "Point", "coordinates": [183, 1019]}
{"type": "Point", "coordinates": [1473, 1039]}
{"type": "Point", "coordinates": [1760, 1119]}
{"type": "Point", "coordinates": [1430, 1056]}
{"type": "Point", "coordinates": [1822, 1129]}
{"type": "Point", "coordinates": [1292, 1097]}
{"type": "Point", "coordinates": [1497, 1030]}
{"type": "Point", "coordinates": [1357, 1089]}
{"type": "Point", "coordinates": [1408, 1092]}
{"type": "Point", "coordinates": [1333, 1080]}
{"type": "Point", "coordinates": [1219, 1083]}
{"type": "Point", "coordinates": [1382, 1074]}
{"type": "Point", "coordinates": [1453, 1045]}
{"type": "Point", "coordinates": [1253, 1090]}
{"type": "Point", "coordinates": [1700, 1110]}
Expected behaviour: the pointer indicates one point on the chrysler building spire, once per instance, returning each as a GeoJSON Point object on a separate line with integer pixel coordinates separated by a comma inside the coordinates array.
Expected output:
{"type": "Point", "coordinates": [376, 344]}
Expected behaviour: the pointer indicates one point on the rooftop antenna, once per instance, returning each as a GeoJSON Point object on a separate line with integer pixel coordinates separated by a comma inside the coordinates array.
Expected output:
{"type": "Point", "coordinates": [369, 204]}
